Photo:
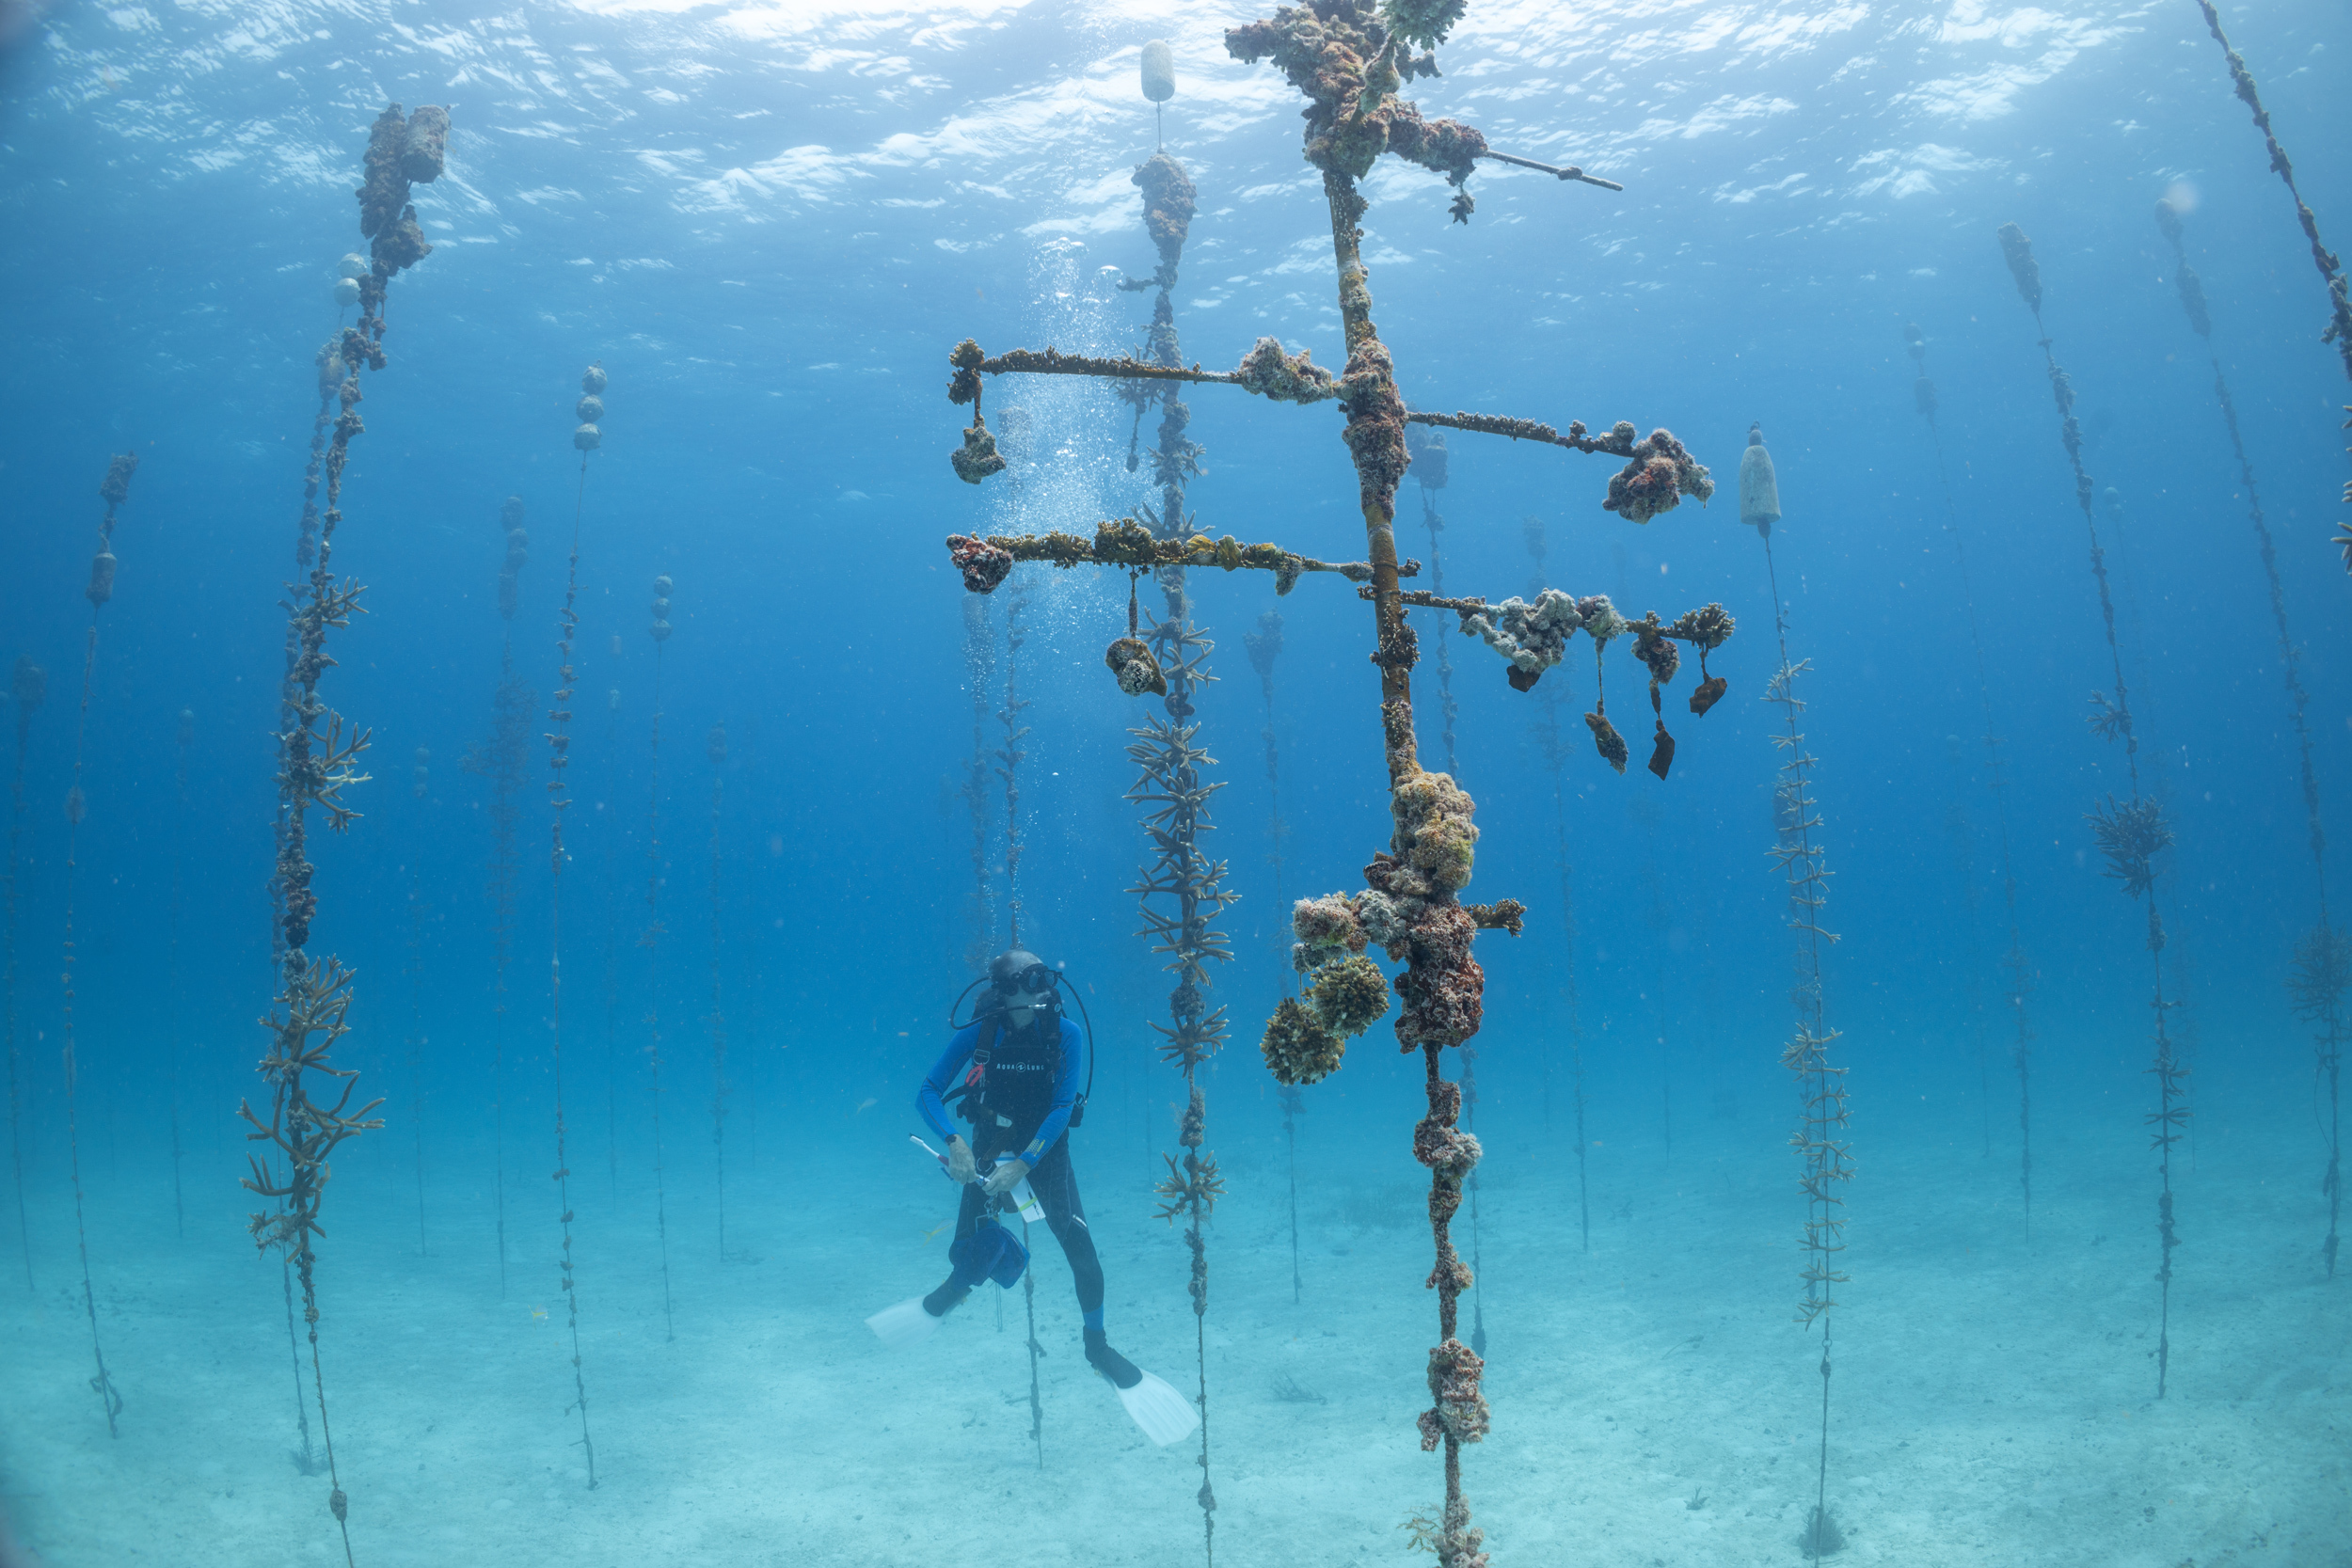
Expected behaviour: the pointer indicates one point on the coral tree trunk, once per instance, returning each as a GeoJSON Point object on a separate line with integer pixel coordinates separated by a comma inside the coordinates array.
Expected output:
{"type": "Point", "coordinates": [1375, 442]}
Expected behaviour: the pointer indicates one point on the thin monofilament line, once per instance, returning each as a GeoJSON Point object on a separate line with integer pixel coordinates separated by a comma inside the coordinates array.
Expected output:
{"type": "Point", "coordinates": [101, 1384]}
{"type": "Point", "coordinates": [652, 991]}
{"type": "Point", "coordinates": [2021, 1055]}
{"type": "Point", "coordinates": [171, 980]}
{"type": "Point", "coordinates": [16, 1125]}
{"type": "Point", "coordinates": [558, 799]}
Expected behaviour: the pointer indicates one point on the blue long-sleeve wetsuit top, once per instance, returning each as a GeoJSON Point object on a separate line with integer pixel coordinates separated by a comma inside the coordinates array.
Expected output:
{"type": "Point", "coordinates": [949, 1068]}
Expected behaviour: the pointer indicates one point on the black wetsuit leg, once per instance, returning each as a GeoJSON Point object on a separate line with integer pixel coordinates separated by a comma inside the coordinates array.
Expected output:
{"type": "Point", "coordinates": [1056, 1188]}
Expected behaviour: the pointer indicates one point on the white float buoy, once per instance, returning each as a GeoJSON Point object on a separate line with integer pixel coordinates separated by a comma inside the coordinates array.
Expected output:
{"type": "Point", "coordinates": [352, 265]}
{"type": "Point", "coordinates": [1759, 488]}
{"type": "Point", "coordinates": [1159, 72]}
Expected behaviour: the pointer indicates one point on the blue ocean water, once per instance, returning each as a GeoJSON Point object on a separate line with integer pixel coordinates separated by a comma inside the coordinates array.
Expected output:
{"type": "Point", "coordinates": [768, 225]}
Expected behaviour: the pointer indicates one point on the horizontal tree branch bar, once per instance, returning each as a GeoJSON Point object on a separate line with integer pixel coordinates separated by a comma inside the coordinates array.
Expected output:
{"type": "Point", "coordinates": [1052, 361]}
{"type": "Point", "coordinates": [1421, 599]}
{"type": "Point", "coordinates": [1568, 172]}
{"type": "Point", "coordinates": [1618, 442]}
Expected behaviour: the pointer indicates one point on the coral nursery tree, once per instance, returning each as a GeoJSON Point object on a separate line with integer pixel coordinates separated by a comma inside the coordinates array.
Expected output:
{"type": "Point", "coordinates": [1349, 61]}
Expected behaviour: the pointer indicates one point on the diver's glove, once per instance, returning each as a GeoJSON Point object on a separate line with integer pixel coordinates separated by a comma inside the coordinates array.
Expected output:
{"type": "Point", "coordinates": [1006, 1177]}
{"type": "Point", "coordinates": [960, 1167]}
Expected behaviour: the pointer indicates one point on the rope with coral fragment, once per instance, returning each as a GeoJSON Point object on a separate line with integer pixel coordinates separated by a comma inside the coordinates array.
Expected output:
{"type": "Point", "coordinates": [29, 685]}
{"type": "Point", "coordinates": [499, 759]}
{"type": "Point", "coordinates": [315, 764]}
{"type": "Point", "coordinates": [2317, 980]}
{"type": "Point", "coordinates": [2129, 833]}
{"type": "Point", "coordinates": [651, 941]}
{"type": "Point", "coordinates": [1823, 1112]}
{"type": "Point", "coordinates": [2339, 330]}
{"type": "Point", "coordinates": [114, 490]}
{"type": "Point", "coordinates": [559, 737]}
{"type": "Point", "coordinates": [1182, 890]}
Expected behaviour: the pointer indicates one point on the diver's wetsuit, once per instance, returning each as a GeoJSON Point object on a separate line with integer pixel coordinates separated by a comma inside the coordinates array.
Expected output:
{"type": "Point", "coordinates": [1022, 1107]}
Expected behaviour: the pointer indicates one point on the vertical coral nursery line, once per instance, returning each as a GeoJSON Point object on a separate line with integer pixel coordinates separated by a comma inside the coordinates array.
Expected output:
{"type": "Point", "coordinates": [1264, 646]}
{"type": "Point", "coordinates": [501, 759]}
{"type": "Point", "coordinates": [980, 664]}
{"type": "Point", "coordinates": [2020, 968]}
{"type": "Point", "coordinates": [316, 762]}
{"type": "Point", "coordinates": [2130, 833]}
{"type": "Point", "coordinates": [420, 789]}
{"type": "Point", "coordinates": [29, 685]}
{"type": "Point", "coordinates": [114, 490]}
{"type": "Point", "coordinates": [651, 941]}
{"type": "Point", "coordinates": [173, 1042]}
{"type": "Point", "coordinates": [1551, 744]}
{"type": "Point", "coordinates": [1822, 1109]}
{"type": "Point", "coordinates": [586, 439]}
{"type": "Point", "coordinates": [1181, 889]}
{"type": "Point", "coordinates": [715, 748]}
{"type": "Point", "coordinates": [2322, 965]}
{"type": "Point", "coordinates": [2339, 328]}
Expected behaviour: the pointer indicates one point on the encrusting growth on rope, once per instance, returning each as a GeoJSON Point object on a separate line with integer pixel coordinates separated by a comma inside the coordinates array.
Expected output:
{"type": "Point", "coordinates": [1181, 891]}
{"type": "Point", "coordinates": [2130, 833]}
{"type": "Point", "coordinates": [315, 764]}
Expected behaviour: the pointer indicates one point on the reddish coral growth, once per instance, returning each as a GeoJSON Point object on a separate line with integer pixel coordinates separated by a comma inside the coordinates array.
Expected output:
{"type": "Point", "coordinates": [1710, 692]}
{"type": "Point", "coordinates": [1455, 1376]}
{"type": "Point", "coordinates": [1660, 473]}
{"type": "Point", "coordinates": [1443, 990]}
{"type": "Point", "coordinates": [1444, 1148]}
{"type": "Point", "coordinates": [983, 565]}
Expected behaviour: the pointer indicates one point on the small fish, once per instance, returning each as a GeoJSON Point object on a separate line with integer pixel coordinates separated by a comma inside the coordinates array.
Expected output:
{"type": "Point", "coordinates": [866, 1105]}
{"type": "Point", "coordinates": [538, 1314]}
{"type": "Point", "coordinates": [935, 1230]}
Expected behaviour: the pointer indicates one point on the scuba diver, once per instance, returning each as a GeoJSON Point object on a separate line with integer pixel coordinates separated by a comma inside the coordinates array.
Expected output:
{"type": "Point", "coordinates": [1018, 1072]}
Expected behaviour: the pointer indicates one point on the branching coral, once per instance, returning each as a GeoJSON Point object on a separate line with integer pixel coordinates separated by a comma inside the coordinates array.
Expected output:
{"type": "Point", "coordinates": [2131, 834]}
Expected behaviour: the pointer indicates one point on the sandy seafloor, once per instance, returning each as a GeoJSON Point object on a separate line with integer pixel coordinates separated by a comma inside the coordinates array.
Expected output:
{"type": "Point", "coordinates": [1992, 1400]}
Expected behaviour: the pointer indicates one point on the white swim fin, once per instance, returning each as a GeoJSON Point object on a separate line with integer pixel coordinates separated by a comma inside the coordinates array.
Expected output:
{"type": "Point", "coordinates": [1159, 1411]}
{"type": "Point", "coordinates": [903, 1325]}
